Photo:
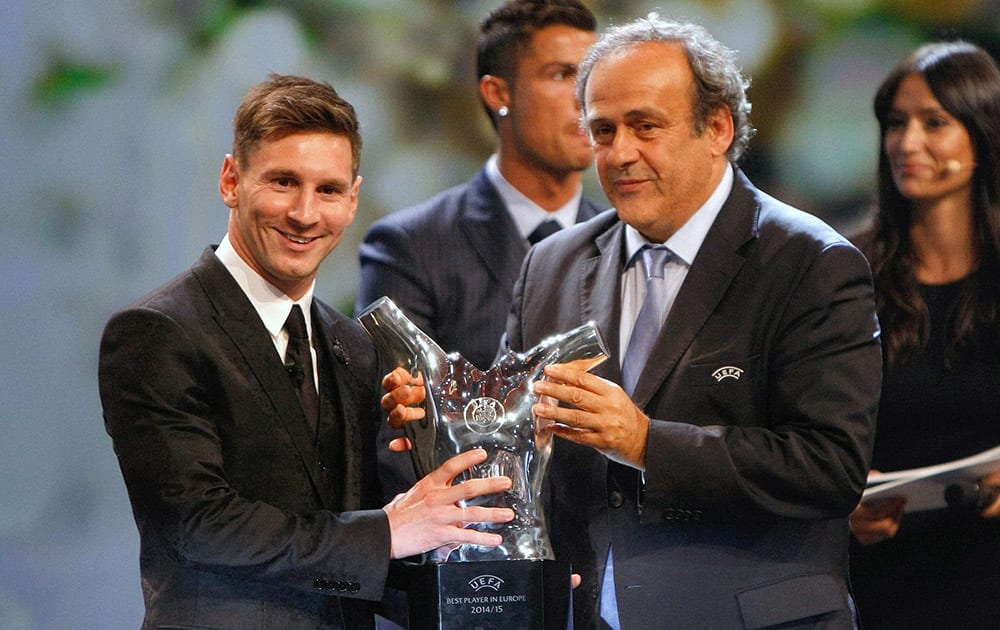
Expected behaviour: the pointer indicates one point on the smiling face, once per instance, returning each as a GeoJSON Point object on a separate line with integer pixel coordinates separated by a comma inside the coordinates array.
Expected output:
{"type": "Point", "coordinates": [930, 150]}
{"type": "Point", "coordinates": [291, 201]}
{"type": "Point", "coordinates": [544, 114]}
{"type": "Point", "coordinates": [656, 169]}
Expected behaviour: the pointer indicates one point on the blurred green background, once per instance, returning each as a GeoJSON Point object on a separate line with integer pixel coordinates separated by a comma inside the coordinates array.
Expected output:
{"type": "Point", "coordinates": [114, 120]}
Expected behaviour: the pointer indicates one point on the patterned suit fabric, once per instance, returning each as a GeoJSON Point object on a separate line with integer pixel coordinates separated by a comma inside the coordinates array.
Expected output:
{"type": "Point", "coordinates": [236, 500]}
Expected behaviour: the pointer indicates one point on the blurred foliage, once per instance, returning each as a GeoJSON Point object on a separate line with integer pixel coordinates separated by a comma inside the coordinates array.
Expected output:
{"type": "Point", "coordinates": [114, 116]}
{"type": "Point", "coordinates": [419, 56]}
{"type": "Point", "coordinates": [64, 79]}
{"type": "Point", "coordinates": [424, 50]}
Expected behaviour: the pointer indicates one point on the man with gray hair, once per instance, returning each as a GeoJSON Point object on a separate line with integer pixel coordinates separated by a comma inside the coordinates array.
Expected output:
{"type": "Point", "coordinates": [706, 474]}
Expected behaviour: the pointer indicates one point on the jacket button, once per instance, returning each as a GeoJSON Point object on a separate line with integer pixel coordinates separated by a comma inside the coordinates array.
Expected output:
{"type": "Point", "coordinates": [616, 499]}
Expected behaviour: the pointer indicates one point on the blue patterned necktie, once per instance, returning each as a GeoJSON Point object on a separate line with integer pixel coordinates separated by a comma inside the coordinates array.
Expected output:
{"type": "Point", "coordinates": [644, 334]}
{"type": "Point", "coordinates": [650, 318]}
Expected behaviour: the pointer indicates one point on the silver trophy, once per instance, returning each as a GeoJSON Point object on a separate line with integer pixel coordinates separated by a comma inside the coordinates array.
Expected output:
{"type": "Point", "coordinates": [469, 408]}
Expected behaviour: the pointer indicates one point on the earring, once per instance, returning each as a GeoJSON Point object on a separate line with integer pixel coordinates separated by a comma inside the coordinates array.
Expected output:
{"type": "Point", "coordinates": [503, 111]}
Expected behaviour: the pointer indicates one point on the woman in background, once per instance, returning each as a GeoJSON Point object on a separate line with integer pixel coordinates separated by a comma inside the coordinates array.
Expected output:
{"type": "Point", "coordinates": [935, 254]}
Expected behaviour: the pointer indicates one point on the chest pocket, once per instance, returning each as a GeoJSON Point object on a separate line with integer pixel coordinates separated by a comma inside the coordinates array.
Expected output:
{"type": "Point", "coordinates": [726, 387]}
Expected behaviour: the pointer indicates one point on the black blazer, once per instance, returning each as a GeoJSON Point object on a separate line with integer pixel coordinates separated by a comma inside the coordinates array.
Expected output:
{"type": "Point", "coordinates": [762, 390]}
{"type": "Point", "coordinates": [245, 519]}
{"type": "Point", "coordinates": [450, 264]}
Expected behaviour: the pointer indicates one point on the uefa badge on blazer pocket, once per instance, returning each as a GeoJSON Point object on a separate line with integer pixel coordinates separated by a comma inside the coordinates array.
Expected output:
{"type": "Point", "coordinates": [727, 382]}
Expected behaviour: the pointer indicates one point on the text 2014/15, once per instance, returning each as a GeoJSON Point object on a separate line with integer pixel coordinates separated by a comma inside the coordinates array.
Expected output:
{"type": "Point", "coordinates": [486, 610]}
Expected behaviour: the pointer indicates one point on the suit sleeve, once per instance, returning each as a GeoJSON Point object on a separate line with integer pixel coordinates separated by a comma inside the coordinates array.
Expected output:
{"type": "Point", "coordinates": [390, 266]}
{"type": "Point", "coordinates": [169, 407]}
{"type": "Point", "coordinates": [803, 449]}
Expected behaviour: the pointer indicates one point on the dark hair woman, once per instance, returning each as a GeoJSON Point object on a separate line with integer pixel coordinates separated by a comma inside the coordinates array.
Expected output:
{"type": "Point", "coordinates": [935, 254]}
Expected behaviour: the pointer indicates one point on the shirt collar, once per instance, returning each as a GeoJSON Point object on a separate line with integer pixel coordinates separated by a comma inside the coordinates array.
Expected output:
{"type": "Point", "coordinates": [271, 304]}
{"type": "Point", "coordinates": [686, 241]}
{"type": "Point", "coordinates": [526, 213]}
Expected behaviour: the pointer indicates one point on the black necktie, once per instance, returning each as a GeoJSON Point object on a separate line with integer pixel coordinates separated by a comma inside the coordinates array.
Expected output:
{"type": "Point", "coordinates": [545, 228]}
{"type": "Point", "coordinates": [298, 362]}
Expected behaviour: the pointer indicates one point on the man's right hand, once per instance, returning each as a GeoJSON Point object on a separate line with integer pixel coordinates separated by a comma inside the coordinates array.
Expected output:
{"type": "Point", "coordinates": [431, 514]}
{"type": "Point", "coordinates": [403, 402]}
{"type": "Point", "coordinates": [403, 398]}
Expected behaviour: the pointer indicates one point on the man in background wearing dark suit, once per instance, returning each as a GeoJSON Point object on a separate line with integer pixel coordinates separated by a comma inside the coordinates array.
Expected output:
{"type": "Point", "coordinates": [708, 483]}
{"type": "Point", "coordinates": [251, 469]}
{"type": "Point", "coordinates": [450, 263]}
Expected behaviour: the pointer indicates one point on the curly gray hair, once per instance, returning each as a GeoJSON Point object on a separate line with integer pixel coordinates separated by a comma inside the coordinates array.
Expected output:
{"type": "Point", "coordinates": [718, 79]}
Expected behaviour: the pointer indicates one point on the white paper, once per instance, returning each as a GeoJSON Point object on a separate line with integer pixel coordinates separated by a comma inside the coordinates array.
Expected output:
{"type": "Point", "coordinates": [923, 488]}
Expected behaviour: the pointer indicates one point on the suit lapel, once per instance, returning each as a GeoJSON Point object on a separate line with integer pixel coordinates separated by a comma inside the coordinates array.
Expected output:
{"type": "Point", "coordinates": [339, 439]}
{"type": "Point", "coordinates": [491, 232]}
{"type": "Point", "coordinates": [716, 264]}
{"type": "Point", "coordinates": [237, 318]}
{"type": "Point", "coordinates": [600, 297]}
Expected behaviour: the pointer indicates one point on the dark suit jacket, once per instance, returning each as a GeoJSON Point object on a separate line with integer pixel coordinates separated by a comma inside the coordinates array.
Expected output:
{"type": "Point", "coordinates": [244, 521]}
{"type": "Point", "coordinates": [762, 391]}
{"type": "Point", "coordinates": [450, 264]}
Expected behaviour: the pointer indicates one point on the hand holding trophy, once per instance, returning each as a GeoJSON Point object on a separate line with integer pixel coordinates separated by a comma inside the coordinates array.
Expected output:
{"type": "Point", "coordinates": [467, 408]}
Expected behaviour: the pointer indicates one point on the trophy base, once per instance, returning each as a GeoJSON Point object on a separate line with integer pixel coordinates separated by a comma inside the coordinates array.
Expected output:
{"type": "Point", "coordinates": [488, 595]}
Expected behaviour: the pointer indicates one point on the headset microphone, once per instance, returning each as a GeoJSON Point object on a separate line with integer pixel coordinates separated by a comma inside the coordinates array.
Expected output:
{"type": "Point", "coordinates": [953, 166]}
